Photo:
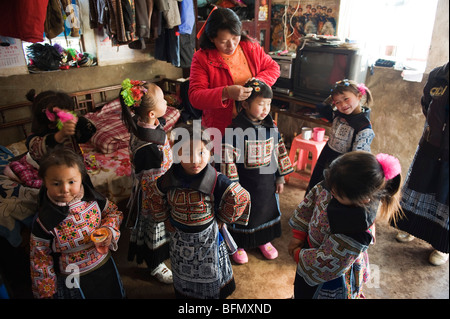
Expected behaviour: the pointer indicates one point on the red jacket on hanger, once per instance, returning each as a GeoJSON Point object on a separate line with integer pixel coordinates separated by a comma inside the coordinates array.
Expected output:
{"type": "Point", "coordinates": [23, 19]}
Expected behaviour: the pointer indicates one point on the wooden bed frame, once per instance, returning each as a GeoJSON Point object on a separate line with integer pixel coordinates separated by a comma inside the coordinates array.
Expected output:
{"type": "Point", "coordinates": [85, 101]}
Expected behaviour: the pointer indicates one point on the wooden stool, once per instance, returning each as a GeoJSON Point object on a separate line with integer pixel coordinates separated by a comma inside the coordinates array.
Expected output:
{"type": "Point", "coordinates": [304, 148]}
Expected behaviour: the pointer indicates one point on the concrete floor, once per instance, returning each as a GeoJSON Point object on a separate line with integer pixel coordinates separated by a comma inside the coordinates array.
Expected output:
{"type": "Point", "coordinates": [399, 270]}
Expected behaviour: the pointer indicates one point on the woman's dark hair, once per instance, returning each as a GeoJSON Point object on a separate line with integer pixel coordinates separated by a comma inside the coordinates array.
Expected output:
{"type": "Point", "coordinates": [147, 104]}
{"type": "Point", "coordinates": [43, 101]}
{"type": "Point", "coordinates": [59, 156]}
{"type": "Point", "coordinates": [221, 19]}
{"type": "Point", "coordinates": [359, 176]}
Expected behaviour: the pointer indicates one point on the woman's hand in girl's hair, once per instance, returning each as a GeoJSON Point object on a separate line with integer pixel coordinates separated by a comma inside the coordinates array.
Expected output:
{"type": "Point", "coordinates": [103, 247]}
{"type": "Point", "coordinates": [237, 92]}
{"type": "Point", "coordinates": [294, 246]}
{"type": "Point", "coordinates": [279, 188]}
{"type": "Point", "coordinates": [67, 130]}
{"type": "Point", "coordinates": [220, 223]}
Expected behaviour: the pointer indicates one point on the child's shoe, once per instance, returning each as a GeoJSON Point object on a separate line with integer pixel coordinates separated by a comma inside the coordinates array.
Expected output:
{"type": "Point", "coordinates": [438, 258]}
{"type": "Point", "coordinates": [240, 256]}
{"type": "Point", "coordinates": [269, 251]}
{"type": "Point", "coordinates": [404, 237]}
{"type": "Point", "coordinates": [163, 274]}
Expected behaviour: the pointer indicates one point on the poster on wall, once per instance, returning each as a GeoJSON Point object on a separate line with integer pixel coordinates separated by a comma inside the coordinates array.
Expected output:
{"type": "Point", "coordinates": [290, 22]}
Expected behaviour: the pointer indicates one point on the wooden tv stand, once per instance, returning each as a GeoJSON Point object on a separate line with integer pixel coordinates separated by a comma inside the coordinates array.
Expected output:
{"type": "Point", "coordinates": [297, 109]}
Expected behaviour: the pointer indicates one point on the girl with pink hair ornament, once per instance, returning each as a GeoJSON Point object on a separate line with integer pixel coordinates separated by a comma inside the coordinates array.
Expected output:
{"type": "Point", "coordinates": [348, 108]}
{"type": "Point", "coordinates": [335, 224]}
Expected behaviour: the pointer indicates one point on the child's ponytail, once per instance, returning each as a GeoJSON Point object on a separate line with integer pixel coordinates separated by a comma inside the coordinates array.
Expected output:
{"type": "Point", "coordinates": [390, 195]}
{"type": "Point", "coordinates": [134, 100]}
{"type": "Point", "coordinates": [127, 117]}
{"type": "Point", "coordinates": [364, 178]}
{"type": "Point", "coordinates": [367, 97]}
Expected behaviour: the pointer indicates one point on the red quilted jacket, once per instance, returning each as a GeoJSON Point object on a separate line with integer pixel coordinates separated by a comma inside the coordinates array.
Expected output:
{"type": "Point", "coordinates": [210, 74]}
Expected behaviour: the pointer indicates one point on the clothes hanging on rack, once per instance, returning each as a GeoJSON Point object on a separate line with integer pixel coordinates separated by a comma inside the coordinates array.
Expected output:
{"type": "Point", "coordinates": [176, 37]}
{"type": "Point", "coordinates": [170, 11]}
{"type": "Point", "coordinates": [143, 12]}
{"type": "Point", "coordinates": [23, 19]}
{"type": "Point", "coordinates": [170, 23]}
{"type": "Point", "coordinates": [117, 17]}
{"type": "Point", "coordinates": [167, 46]}
{"type": "Point", "coordinates": [54, 21]}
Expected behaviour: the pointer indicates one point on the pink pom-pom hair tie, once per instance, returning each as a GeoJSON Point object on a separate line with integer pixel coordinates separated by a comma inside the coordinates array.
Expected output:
{"type": "Point", "coordinates": [390, 164]}
{"type": "Point", "coordinates": [362, 88]}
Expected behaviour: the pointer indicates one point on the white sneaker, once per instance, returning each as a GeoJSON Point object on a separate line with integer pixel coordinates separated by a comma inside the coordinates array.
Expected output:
{"type": "Point", "coordinates": [437, 258]}
{"type": "Point", "coordinates": [163, 274]}
{"type": "Point", "coordinates": [404, 237]}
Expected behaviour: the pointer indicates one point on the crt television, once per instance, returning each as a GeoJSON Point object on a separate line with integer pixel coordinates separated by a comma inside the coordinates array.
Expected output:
{"type": "Point", "coordinates": [318, 68]}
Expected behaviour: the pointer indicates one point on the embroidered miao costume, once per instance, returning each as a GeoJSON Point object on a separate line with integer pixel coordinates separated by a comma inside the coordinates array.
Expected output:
{"type": "Point", "coordinates": [333, 263]}
{"type": "Point", "coordinates": [199, 258]}
{"type": "Point", "coordinates": [151, 157]}
{"type": "Point", "coordinates": [257, 158]}
{"type": "Point", "coordinates": [348, 133]}
{"type": "Point", "coordinates": [60, 247]}
{"type": "Point", "coordinates": [424, 197]}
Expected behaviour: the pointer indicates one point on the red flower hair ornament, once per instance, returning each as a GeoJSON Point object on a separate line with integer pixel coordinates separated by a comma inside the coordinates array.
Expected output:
{"type": "Point", "coordinates": [132, 92]}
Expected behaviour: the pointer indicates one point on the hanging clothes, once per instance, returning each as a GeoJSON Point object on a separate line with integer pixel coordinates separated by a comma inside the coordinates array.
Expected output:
{"type": "Point", "coordinates": [187, 33]}
{"type": "Point", "coordinates": [143, 13]}
{"type": "Point", "coordinates": [72, 16]}
{"type": "Point", "coordinates": [23, 19]}
{"type": "Point", "coordinates": [54, 21]}
{"type": "Point", "coordinates": [187, 13]}
{"type": "Point", "coordinates": [117, 17]}
{"type": "Point", "coordinates": [98, 13]}
{"type": "Point", "coordinates": [176, 34]}
{"type": "Point", "coordinates": [167, 46]}
{"type": "Point", "coordinates": [170, 11]}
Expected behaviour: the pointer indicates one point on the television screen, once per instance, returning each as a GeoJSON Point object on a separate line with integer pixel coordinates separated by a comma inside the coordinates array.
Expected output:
{"type": "Point", "coordinates": [320, 70]}
{"type": "Point", "coordinates": [317, 69]}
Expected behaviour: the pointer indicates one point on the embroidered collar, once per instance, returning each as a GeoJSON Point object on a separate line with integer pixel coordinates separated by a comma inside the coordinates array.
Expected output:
{"type": "Point", "coordinates": [155, 135]}
{"type": "Point", "coordinates": [146, 125]}
{"type": "Point", "coordinates": [241, 120]}
{"type": "Point", "coordinates": [176, 177]}
{"type": "Point", "coordinates": [356, 121]}
{"type": "Point", "coordinates": [51, 214]}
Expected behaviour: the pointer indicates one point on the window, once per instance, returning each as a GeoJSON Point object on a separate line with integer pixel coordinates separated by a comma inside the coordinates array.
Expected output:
{"type": "Point", "coordinates": [397, 30]}
{"type": "Point", "coordinates": [72, 26]}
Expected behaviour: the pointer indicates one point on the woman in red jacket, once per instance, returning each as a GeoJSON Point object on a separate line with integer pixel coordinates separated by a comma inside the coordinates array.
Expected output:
{"type": "Point", "coordinates": [227, 59]}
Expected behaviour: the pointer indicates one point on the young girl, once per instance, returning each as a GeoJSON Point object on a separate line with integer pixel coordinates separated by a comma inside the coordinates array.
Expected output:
{"type": "Point", "coordinates": [195, 201]}
{"type": "Point", "coordinates": [49, 131]}
{"type": "Point", "coordinates": [334, 225]}
{"type": "Point", "coordinates": [151, 156]}
{"type": "Point", "coordinates": [258, 160]}
{"type": "Point", "coordinates": [65, 262]}
{"type": "Point", "coordinates": [351, 129]}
